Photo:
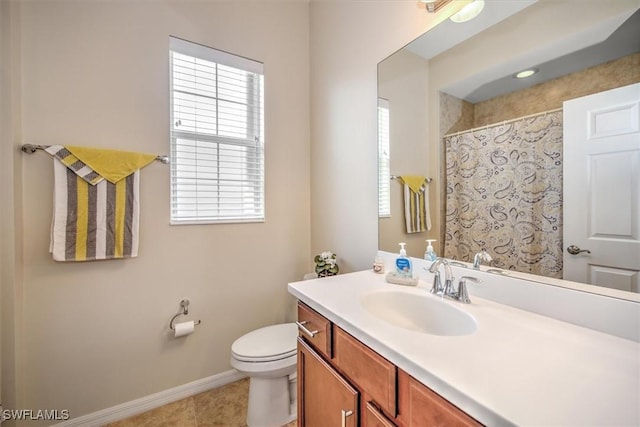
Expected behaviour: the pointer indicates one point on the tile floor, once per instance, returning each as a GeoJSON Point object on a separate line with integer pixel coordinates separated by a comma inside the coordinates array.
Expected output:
{"type": "Point", "coordinates": [221, 407]}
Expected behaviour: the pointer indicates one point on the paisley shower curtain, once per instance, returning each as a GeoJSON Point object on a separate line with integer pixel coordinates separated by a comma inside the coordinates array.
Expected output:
{"type": "Point", "coordinates": [504, 194]}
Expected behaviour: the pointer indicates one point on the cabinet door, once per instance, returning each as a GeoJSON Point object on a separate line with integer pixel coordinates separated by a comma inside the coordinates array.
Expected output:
{"type": "Point", "coordinates": [370, 372]}
{"type": "Point", "coordinates": [422, 407]}
{"type": "Point", "coordinates": [373, 417]}
{"type": "Point", "coordinates": [325, 399]}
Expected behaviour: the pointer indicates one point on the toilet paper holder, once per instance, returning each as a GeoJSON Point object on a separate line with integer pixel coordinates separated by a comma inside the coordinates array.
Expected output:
{"type": "Point", "coordinates": [184, 304]}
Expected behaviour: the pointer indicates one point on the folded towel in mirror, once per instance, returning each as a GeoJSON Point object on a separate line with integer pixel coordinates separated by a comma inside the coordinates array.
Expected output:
{"type": "Point", "coordinates": [416, 203]}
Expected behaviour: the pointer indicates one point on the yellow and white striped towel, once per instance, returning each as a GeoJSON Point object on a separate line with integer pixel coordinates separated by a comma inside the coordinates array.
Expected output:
{"type": "Point", "coordinates": [416, 203]}
{"type": "Point", "coordinates": [93, 218]}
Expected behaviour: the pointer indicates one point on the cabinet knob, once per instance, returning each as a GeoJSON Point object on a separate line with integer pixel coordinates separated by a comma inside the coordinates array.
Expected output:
{"type": "Point", "coordinates": [345, 414]}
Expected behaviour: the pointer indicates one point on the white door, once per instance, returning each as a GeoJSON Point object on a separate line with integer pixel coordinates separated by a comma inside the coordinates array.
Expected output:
{"type": "Point", "coordinates": [601, 197]}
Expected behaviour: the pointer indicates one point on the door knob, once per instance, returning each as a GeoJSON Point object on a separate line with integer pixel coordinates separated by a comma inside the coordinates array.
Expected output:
{"type": "Point", "coordinates": [574, 250]}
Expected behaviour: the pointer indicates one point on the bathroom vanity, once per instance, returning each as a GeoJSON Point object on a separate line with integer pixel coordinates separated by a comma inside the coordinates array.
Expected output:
{"type": "Point", "coordinates": [368, 355]}
{"type": "Point", "coordinates": [381, 395]}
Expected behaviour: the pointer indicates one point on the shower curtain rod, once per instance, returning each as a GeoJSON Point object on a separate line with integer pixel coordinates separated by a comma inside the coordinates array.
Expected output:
{"type": "Point", "coordinates": [503, 122]}
{"type": "Point", "coordinates": [32, 148]}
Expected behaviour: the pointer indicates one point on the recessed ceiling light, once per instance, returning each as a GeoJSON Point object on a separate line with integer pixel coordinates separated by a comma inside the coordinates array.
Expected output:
{"type": "Point", "coordinates": [468, 12]}
{"type": "Point", "coordinates": [526, 73]}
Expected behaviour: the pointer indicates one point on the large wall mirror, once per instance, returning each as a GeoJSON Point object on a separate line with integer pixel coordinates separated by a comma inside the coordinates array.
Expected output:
{"type": "Point", "coordinates": [494, 146]}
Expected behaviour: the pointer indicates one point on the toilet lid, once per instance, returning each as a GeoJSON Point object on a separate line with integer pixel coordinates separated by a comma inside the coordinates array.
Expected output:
{"type": "Point", "coordinates": [266, 344]}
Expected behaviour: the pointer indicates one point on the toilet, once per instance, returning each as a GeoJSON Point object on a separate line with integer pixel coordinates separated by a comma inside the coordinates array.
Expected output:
{"type": "Point", "coordinates": [268, 357]}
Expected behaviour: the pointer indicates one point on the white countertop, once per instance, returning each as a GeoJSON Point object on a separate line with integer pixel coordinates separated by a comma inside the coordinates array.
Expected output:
{"type": "Point", "coordinates": [518, 368]}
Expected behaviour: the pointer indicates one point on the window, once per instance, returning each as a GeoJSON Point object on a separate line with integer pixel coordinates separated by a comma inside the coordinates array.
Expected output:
{"type": "Point", "coordinates": [384, 176]}
{"type": "Point", "coordinates": [217, 136]}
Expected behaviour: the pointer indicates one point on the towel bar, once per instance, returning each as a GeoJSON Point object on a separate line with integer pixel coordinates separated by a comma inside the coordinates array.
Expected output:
{"type": "Point", "coordinates": [398, 176]}
{"type": "Point", "coordinates": [32, 148]}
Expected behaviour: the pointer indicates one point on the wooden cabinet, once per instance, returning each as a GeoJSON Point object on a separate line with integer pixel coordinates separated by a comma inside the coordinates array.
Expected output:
{"type": "Point", "coordinates": [422, 407]}
{"type": "Point", "coordinates": [342, 382]}
{"type": "Point", "coordinates": [368, 370]}
{"type": "Point", "coordinates": [324, 397]}
{"type": "Point", "coordinates": [373, 417]}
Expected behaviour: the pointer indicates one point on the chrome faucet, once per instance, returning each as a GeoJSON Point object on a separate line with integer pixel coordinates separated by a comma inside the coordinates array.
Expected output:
{"type": "Point", "coordinates": [448, 290]}
{"type": "Point", "coordinates": [437, 287]}
{"type": "Point", "coordinates": [479, 257]}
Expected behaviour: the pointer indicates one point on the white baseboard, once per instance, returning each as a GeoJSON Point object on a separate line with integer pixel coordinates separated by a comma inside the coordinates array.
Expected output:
{"type": "Point", "coordinates": [143, 404]}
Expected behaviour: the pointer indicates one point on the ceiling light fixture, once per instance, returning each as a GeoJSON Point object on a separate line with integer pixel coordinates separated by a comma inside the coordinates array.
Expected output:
{"type": "Point", "coordinates": [430, 5]}
{"type": "Point", "coordinates": [468, 12]}
{"type": "Point", "coordinates": [526, 73]}
{"type": "Point", "coordinates": [433, 5]}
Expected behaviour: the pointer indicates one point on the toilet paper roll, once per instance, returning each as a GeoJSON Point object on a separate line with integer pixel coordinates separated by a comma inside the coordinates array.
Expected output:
{"type": "Point", "coordinates": [184, 328]}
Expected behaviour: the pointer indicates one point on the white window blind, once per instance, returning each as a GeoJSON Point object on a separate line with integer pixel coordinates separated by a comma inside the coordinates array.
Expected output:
{"type": "Point", "coordinates": [217, 136]}
{"type": "Point", "coordinates": [384, 175]}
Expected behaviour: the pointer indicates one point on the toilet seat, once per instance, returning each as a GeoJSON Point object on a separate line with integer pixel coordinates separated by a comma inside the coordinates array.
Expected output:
{"type": "Point", "coordinates": [271, 343]}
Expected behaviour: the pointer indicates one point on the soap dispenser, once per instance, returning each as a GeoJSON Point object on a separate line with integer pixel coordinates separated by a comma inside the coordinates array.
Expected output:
{"type": "Point", "coordinates": [430, 254]}
{"type": "Point", "coordinates": [403, 263]}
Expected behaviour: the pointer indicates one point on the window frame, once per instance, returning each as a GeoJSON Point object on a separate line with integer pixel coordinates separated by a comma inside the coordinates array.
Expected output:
{"type": "Point", "coordinates": [384, 162]}
{"type": "Point", "coordinates": [251, 208]}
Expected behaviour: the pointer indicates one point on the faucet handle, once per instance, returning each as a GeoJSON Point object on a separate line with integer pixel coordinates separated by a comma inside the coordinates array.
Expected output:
{"type": "Point", "coordinates": [436, 288]}
{"type": "Point", "coordinates": [463, 295]}
{"type": "Point", "coordinates": [481, 256]}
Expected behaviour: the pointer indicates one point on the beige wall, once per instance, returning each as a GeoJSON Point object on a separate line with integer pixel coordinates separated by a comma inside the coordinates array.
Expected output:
{"type": "Point", "coordinates": [96, 73]}
{"type": "Point", "coordinates": [402, 80]}
{"type": "Point", "coordinates": [348, 39]}
{"type": "Point", "coordinates": [10, 209]}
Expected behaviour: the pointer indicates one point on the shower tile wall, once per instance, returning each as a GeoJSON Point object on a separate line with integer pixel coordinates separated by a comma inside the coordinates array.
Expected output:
{"type": "Point", "coordinates": [457, 115]}
{"type": "Point", "coordinates": [550, 95]}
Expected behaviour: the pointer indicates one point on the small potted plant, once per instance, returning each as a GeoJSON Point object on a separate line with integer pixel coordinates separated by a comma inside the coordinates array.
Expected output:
{"type": "Point", "coordinates": [326, 264]}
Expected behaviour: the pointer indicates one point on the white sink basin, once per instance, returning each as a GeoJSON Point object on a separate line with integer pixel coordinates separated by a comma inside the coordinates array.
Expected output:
{"type": "Point", "coordinates": [422, 313]}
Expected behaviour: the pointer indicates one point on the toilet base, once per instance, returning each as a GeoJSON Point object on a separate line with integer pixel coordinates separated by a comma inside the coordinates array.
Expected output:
{"type": "Point", "coordinates": [271, 403]}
